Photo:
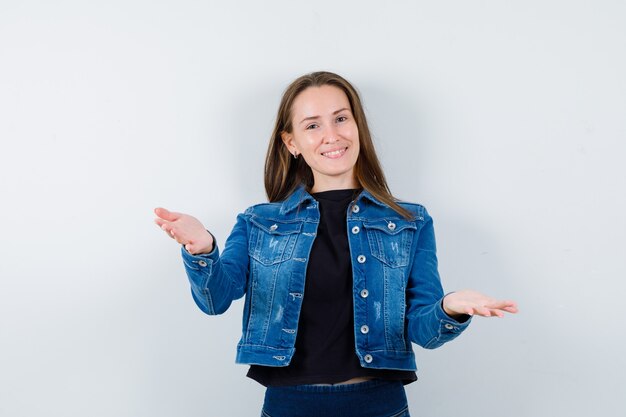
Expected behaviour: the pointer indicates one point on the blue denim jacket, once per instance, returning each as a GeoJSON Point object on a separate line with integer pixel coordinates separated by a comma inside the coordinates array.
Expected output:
{"type": "Point", "coordinates": [397, 291]}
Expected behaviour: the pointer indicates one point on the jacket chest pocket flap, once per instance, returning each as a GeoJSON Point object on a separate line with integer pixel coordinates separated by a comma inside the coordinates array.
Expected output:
{"type": "Point", "coordinates": [390, 240]}
{"type": "Point", "coordinates": [272, 241]}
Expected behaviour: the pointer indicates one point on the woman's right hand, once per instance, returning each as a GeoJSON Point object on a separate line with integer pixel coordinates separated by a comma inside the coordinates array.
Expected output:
{"type": "Point", "coordinates": [185, 229]}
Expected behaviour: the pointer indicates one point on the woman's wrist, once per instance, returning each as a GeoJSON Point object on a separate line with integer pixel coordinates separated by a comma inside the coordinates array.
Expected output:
{"type": "Point", "coordinates": [208, 248]}
{"type": "Point", "coordinates": [460, 317]}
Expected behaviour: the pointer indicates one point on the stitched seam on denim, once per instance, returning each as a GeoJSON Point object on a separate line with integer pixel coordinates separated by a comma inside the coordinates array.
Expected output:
{"type": "Point", "coordinates": [407, 241]}
{"type": "Point", "coordinates": [270, 306]}
{"type": "Point", "coordinates": [401, 413]}
{"type": "Point", "coordinates": [232, 282]}
{"type": "Point", "coordinates": [436, 338]}
{"type": "Point", "coordinates": [278, 219]}
{"type": "Point", "coordinates": [403, 336]}
{"type": "Point", "coordinates": [289, 248]}
{"type": "Point", "coordinates": [386, 307]}
{"type": "Point", "coordinates": [188, 265]}
{"type": "Point", "coordinates": [208, 270]}
{"type": "Point", "coordinates": [209, 301]}
{"type": "Point", "coordinates": [253, 274]}
{"type": "Point", "coordinates": [205, 288]}
{"type": "Point", "coordinates": [354, 279]}
{"type": "Point", "coordinates": [251, 345]}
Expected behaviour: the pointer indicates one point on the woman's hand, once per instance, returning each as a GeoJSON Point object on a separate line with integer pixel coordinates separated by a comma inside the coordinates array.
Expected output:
{"type": "Point", "coordinates": [474, 303]}
{"type": "Point", "coordinates": [186, 230]}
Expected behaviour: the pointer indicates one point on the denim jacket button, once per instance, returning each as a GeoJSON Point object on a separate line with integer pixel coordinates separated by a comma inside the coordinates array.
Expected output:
{"type": "Point", "coordinates": [448, 326]}
{"type": "Point", "coordinates": [365, 329]}
{"type": "Point", "coordinates": [273, 227]}
{"type": "Point", "coordinates": [364, 293]}
{"type": "Point", "coordinates": [355, 208]}
{"type": "Point", "coordinates": [202, 263]}
{"type": "Point", "coordinates": [360, 259]}
{"type": "Point", "coordinates": [391, 226]}
{"type": "Point", "coordinates": [368, 358]}
{"type": "Point", "coordinates": [355, 230]}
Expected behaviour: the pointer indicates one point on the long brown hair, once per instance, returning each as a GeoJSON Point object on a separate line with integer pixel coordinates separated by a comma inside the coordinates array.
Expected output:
{"type": "Point", "coordinates": [283, 173]}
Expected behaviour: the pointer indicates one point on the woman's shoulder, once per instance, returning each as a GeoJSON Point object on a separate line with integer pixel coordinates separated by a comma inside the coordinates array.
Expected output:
{"type": "Point", "coordinates": [415, 208]}
{"type": "Point", "coordinates": [264, 209]}
{"type": "Point", "coordinates": [286, 208]}
{"type": "Point", "coordinates": [418, 210]}
{"type": "Point", "coordinates": [377, 207]}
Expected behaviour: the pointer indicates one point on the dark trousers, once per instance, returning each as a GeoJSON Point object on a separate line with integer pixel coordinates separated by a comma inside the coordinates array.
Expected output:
{"type": "Point", "coordinates": [374, 398]}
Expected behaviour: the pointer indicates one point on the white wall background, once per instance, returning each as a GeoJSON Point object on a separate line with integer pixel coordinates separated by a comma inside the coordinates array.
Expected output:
{"type": "Point", "coordinates": [506, 119]}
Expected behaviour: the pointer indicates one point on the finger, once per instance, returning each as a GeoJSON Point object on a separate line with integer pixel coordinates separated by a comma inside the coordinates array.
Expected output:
{"type": "Point", "coordinates": [191, 248]}
{"type": "Point", "coordinates": [500, 304]}
{"type": "Point", "coordinates": [510, 309]}
{"type": "Point", "coordinates": [512, 305]}
{"type": "Point", "coordinates": [166, 214]}
{"type": "Point", "coordinates": [167, 228]}
{"type": "Point", "coordinates": [482, 311]}
{"type": "Point", "coordinates": [179, 237]}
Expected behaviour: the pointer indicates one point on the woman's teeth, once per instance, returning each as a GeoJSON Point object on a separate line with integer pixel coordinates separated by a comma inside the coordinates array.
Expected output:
{"type": "Point", "coordinates": [334, 153]}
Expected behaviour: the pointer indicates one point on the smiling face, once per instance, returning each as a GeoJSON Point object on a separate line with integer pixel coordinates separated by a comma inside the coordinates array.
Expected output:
{"type": "Point", "coordinates": [325, 134]}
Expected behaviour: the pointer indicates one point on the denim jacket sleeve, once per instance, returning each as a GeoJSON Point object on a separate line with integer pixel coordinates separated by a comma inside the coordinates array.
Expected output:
{"type": "Point", "coordinates": [428, 324]}
{"type": "Point", "coordinates": [216, 280]}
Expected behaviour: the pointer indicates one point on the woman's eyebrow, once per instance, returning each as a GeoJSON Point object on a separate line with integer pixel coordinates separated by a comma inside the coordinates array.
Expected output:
{"type": "Point", "coordinates": [317, 117]}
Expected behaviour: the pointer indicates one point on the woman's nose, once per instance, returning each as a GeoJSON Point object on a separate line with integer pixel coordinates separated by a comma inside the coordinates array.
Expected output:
{"type": "Point", "coordinates": [330, 135]}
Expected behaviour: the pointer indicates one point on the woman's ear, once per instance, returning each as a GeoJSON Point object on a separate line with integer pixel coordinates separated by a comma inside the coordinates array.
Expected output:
{"type": "Point", "coordinates": [288, 141]}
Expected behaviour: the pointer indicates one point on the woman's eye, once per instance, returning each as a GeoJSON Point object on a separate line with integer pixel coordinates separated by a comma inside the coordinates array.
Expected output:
{"type": "Point", "coordinates": [311, 126]}
{"type": "Point", "coordinates": [342, 118]}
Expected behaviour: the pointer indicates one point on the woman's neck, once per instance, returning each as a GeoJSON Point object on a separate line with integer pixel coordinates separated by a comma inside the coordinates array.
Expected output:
{"type": "Point", "coordinates": [348, 184]}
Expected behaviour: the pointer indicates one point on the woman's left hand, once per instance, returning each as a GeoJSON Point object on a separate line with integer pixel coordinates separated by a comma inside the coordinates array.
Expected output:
{"type": "Point", "coordinates": [474, 303]}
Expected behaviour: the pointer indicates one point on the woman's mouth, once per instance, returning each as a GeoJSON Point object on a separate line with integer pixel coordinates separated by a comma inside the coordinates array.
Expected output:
{"type": "Point", "coordinates": [338, 153]}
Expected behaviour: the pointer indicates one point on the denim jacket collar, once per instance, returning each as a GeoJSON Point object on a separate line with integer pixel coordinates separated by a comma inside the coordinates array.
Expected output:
{"type": "Point", "coordinates": [300, 196]}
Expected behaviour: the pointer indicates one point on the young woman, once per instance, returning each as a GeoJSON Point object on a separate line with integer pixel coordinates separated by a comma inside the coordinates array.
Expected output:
{"type": "Point", "coordinates": [339, 276]}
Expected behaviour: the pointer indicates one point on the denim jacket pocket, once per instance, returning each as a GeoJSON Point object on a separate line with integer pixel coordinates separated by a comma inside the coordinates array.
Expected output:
{"type": "Point", "coordinates": [272, 241]}
{"type": "Point", "coordinates": [390, 240]}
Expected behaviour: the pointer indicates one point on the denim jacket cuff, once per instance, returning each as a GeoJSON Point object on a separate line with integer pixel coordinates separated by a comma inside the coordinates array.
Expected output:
{"type": "Point", "coordinates": [201, 263]}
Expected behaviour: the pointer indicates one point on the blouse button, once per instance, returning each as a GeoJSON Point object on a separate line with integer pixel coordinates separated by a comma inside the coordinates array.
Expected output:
{"type": "Point", "coordinates": [355, 230]}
